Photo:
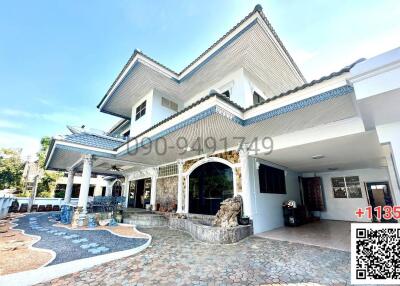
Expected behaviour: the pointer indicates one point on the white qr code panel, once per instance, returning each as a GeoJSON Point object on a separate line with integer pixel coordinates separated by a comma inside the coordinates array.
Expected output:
{"type": "Point", "coordinates": [375, 253]}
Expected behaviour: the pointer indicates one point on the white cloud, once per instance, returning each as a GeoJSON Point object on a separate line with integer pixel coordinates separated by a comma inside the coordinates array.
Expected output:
{"type": "Point", "coordinates": [58, 117]}
{"type": "Point", "coordinates": [9, 124]}
{"type": "Point", "coordinates": [29, 145]}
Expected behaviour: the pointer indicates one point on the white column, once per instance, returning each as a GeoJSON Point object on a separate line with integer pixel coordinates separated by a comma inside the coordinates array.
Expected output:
{"type": "Point", "coordinates": [98, 188]}
{"type": "Point", "coordinates": [180, 188]}
{"type": "Point", "coordinates": [126, 190]}
{"type": "Point", "coordinates": [153, 191]}
{"type": "Point", "coordinates": [85, 184]}
{"type": "Point", "coordinates": [246, 181]}
{"type": "Point", "coordinates": [69, 187]}
{"type": "Point", "coordinates": [108, 188]}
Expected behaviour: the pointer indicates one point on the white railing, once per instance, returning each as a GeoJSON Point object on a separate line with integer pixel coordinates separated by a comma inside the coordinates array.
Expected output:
{"type": "Point", "coordinates": [5, 203]}
{"type": "Point", "coordinates": [45, 201]}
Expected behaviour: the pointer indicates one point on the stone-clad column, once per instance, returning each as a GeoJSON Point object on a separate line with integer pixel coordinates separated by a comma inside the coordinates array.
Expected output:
{"type": "Point", "coordinates": [86, 175]}
{"type": "Point", "coordinates": [180, 187]}
{"type": "Point", "coordinates": [70, 185]}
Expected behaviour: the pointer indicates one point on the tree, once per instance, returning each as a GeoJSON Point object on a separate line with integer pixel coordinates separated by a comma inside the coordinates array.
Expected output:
{"type": "Point", "coordinates": [11, 168]}
{"type": "Point", "coordinates": [48, 182]}
{"type": "Point", "coordinates": [44, 147]}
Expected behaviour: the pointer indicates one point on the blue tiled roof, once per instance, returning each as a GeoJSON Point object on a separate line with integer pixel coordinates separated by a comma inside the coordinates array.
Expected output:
{"type": "Point", "coordinates": [94, 140]}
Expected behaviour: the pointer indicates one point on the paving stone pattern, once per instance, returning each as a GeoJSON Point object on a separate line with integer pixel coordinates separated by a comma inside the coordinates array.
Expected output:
{"type": "Point", "coordinates": [175, 258]}
{"type": "Point", "coordinates": [73, 244]}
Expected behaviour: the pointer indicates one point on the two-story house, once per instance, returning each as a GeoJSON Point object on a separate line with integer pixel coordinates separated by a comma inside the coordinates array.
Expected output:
{"type": "Point", "coordinates": [242, 120]}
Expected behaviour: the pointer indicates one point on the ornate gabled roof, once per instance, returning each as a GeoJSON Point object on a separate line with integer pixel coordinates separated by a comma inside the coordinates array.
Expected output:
{"type": "Point", "coordinates": [178, 75]}
{"type": "Point", "coordinates": [94, 140]}
{"type": "Point", "coordinates": [240, 108]}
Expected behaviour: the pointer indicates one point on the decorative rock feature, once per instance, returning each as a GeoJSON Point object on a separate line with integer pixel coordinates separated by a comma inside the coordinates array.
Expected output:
{"type": "Point", "coordinates": [92, 221]}
{"type": "Point", "coordinates": [203, 230]}
{"type": "Point", "coordinates": [227, 216]}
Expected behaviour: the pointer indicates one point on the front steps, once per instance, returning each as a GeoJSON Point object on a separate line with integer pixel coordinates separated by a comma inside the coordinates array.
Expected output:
{"type": "Point", "coordinates": [144, 219]}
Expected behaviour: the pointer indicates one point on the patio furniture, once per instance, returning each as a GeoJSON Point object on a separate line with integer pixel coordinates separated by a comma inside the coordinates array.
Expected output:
{"type": "Point", "coordinates": [23, 208]}
{"type": "Point", "coordinates": [41, 208]}
{"type": "Point", "coordinates": [49, 208]}
{"type": "Point", "coordinates": [34, 208]}
{"type": "Point", "coordinates": [14, 207]}
{"type": "Point", "coordinates": [56, 208]}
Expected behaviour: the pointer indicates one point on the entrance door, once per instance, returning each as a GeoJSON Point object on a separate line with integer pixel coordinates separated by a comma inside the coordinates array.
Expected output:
{"type": "Point", "coordinates": [132, 194]}
{"type": "Point", "coordinates": [139, 194]}
{"type": "Point", "coordinates": [379, 195]}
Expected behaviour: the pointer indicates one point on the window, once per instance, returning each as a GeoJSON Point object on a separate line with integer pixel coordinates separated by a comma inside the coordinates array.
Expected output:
{"type": "Point", "coordinates": [169, 104]}
{"type": "Point", "coordinates": [227, 94]}
{"type": "Point", "coordinates": [346, 187]}
{"type": "Point", "coordinates": [168, 170]}
{"type": "Point", "coordinates": [140, 110]}
{"type": "Point", "coordinates": [257, 98]}
{"type": "Point", "coordinates": [272, 180]}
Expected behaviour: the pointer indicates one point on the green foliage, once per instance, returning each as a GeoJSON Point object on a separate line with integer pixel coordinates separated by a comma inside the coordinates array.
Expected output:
{"type": "Point", "coordinates": [44, 143]}
{"type": "Point", "coordinates": [47, 184]}
{"type": "Point", "coordinates": [11, 168]}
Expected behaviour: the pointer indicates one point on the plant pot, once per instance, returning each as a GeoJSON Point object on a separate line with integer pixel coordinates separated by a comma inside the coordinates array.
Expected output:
{"type": "Point", "coordinates": [118, 218]}
{"type": "Point", "coordinates": [244, 221]}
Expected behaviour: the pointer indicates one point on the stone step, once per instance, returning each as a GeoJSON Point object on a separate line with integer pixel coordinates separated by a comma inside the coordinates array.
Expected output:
{"type": "Point", "coordinates": [145, 220]}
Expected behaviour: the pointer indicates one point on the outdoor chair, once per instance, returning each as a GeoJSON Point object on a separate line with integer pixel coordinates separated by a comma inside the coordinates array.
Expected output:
{"type": "Point", "coordinates": [56, 208]}
{"type": "Point", "coordinates": [41, 208]}
{"type": "Point", "coordinates": [34, 208]}
{"type": "Point", "coordinates": [23, 208]}
{"type": "Point", "coordinates": [49, 208]}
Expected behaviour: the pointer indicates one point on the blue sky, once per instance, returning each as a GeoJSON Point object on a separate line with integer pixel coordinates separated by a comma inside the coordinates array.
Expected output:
{"type": "Point", "coordinates": [58, 58]}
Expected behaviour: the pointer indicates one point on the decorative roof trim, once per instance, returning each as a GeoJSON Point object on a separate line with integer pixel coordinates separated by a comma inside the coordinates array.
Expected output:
{"type": "Point", "coordinates": [340, 91]}
{"type": "Point", "coordinates": [117, 125]}
{"type": "Point", "coordinates": [306, 85]}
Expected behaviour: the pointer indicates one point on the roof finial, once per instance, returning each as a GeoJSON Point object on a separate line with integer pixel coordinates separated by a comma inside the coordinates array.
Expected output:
{"type": "Point", "coordinates": [258, 8]}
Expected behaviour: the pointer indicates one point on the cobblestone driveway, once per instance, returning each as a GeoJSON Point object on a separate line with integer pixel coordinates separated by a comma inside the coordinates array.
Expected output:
{"type": "Point", "coordinates": [174, 258]}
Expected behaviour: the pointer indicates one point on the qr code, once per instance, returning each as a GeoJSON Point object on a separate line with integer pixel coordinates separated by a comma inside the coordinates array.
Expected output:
{"type": "Point", "coordinates": [375, 253]}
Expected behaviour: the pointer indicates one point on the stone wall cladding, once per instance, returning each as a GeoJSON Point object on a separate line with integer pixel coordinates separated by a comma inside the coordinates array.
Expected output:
{"type": "Point", "coordinates": [167, 191]}
{"type": "Point", "coordinates": [238, 174]}
{"type": "Point", "coordinates": [200, 230]}
{"type": "Point", "coordinates": [230, 156]}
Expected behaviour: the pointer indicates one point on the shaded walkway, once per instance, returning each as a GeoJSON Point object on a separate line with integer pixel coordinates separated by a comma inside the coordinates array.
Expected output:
{"type": "Point", "coordinates": [174, 258]}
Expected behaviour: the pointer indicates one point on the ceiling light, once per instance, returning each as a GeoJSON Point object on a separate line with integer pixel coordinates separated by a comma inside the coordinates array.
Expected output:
{"type": "Point", "coordinates": [316, 157]}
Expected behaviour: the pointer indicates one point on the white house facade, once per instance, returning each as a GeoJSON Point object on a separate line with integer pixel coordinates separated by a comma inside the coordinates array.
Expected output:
{"type": "Point", "coordinates": [242, 120]}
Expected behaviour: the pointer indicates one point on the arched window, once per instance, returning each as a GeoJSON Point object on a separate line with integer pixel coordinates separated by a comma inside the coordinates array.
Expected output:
{"type": "Point", "coordinates": [117, 189]}
{"type": "Point", "coordinates": [209, 185]}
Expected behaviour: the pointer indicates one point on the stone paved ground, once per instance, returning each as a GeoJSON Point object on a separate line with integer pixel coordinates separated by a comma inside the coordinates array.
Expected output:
{"type": "Point", "coordinates": [174, 258]}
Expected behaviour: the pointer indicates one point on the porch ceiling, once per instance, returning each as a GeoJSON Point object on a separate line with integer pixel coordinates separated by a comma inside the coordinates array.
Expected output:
{"type": "Point", "coordinates": [356, 151]}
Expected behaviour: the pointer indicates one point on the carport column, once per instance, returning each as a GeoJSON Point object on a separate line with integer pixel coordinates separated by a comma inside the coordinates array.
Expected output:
{"type": "Point", "coordinates": [86, 175]}
{"type": "Point", "coordinates": [153, 191]}
{"type": "Point", "coordinates": [70, 185]}
{"type": "Point", "coordinates": [246, 186]}
{"type": "Point", "coordinates": [390, 133]}
{"type": "Point", "coordinates": [180, 187]}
